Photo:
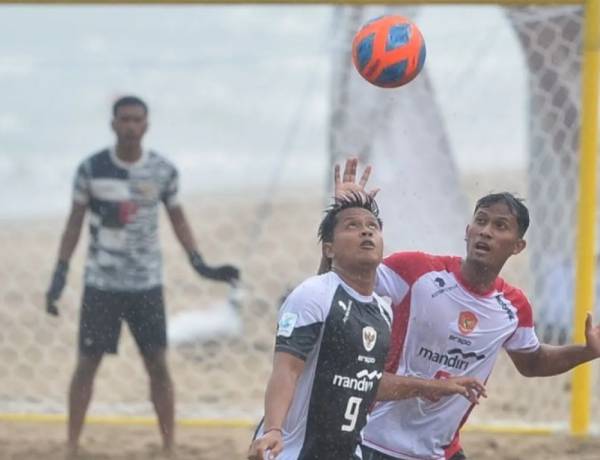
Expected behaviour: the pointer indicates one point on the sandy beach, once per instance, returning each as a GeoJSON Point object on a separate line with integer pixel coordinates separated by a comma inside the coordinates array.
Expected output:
{"type": "Point", "coordinates": [221, 377]}
{"type": "Point", "coordinates": [27, 441]}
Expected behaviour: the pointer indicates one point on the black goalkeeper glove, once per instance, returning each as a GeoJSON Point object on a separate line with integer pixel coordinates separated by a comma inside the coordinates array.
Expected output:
{"type": "Point", "coordinates": [226, 273]}
{"type": "Point", "coordinates": [57, 285]}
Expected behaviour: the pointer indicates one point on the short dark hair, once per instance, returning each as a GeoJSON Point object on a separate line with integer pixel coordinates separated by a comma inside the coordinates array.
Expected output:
{"type": "Point", "coordinates": [515, 204]}
{"type": "Point", "coordinates": [128, 100]}
{"type": "Point", "coordinates": [353, 200]}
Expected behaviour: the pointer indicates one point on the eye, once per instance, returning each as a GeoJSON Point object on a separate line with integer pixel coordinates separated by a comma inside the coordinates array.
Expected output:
{"type": "Point", "coordinates": [373, 225]}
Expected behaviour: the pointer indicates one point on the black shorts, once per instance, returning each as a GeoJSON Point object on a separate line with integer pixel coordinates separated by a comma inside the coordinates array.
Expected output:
{"type": "Point", "coordinates": [372, 454]}
{"type": "Point", "coordinates": [102, 313]}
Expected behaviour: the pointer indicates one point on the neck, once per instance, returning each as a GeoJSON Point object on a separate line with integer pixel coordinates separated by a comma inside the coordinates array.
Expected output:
{"type": "Point", "coordinates": [129, 152]}
{"type": "Point", "coordinates": [362, 280]}
{"type": "Point", "coordinates": [479, 276]}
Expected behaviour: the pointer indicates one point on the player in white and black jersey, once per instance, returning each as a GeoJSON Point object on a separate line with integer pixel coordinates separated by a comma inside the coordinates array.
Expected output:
{"type": "Point", "coordinates": [121, 189]}
{"type": "Point", "coordinates": [332, 340]}
{"type": "Point", "coordinates": [452, 316]}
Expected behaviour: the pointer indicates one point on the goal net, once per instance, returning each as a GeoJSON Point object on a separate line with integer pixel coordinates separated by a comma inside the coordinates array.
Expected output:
{"type": "Point", "coordinates": [254, 116]}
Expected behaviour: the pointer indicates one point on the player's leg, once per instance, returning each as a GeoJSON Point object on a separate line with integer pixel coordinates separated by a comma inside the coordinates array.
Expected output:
{"type": "Point", "coordinates": [99, 329]}
{"type": "Point", "coordinates": [80, 394]}
{"type": "Point", "coordinates": [146, 318]}
{"type": "Point", "coordinates": [162, 394]}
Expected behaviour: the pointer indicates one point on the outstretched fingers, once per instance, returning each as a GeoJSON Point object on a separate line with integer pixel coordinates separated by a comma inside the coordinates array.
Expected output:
{"type": "Point", "coordinates": [350, 170]}
{"type": "Point", "coordinates": [365, 177]}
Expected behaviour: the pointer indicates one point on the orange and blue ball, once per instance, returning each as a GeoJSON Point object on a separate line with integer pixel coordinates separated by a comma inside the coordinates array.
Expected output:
{"type": "Point", "coordinates": [389, 51]}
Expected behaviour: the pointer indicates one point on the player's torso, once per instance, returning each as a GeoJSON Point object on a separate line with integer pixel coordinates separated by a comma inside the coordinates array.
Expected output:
{"type": "Point", "coordinates": [124, 204]}
{"type": "Point", "coordinates": [449, 332]}
{"type": "Point", "coordinates": [452, 331]}
{"type": "Point", "coordinates": [343, 374]}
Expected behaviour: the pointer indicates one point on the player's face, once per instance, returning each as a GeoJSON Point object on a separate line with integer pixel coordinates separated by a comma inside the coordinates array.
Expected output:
{"type": "Point", "coordinates": [130, 124]}
{"type": "Point", "coordinates": [493, 236]}
{"type": "Point", "coordinates": [357, 240]}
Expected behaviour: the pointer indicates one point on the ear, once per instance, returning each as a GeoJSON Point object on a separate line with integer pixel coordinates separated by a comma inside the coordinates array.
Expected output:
{"type": "Point", "coordinates": [467, 231]}
{"type": "Point", "coordinates": [327, 250]}
{"type": "Point", "coordinates": [520, 244]}
{"type": "Point", "coordinates": [112, 125]}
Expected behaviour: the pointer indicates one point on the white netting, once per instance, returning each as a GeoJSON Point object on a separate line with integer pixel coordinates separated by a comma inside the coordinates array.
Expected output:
{"type": "Point", "coordinates": [240, 99]}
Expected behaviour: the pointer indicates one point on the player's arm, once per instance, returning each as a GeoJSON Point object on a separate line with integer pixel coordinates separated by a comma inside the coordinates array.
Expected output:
{"type": "Point", "coordinates": [278, 398]}
{"type": "Point", "coordinates": [395, 387]}
{"type": "Point", "coordinates": [68, 243]}
{"type": "Point", "coordinates": [183, 232]}
{"type": "Point", "coordinates": [550, 360]}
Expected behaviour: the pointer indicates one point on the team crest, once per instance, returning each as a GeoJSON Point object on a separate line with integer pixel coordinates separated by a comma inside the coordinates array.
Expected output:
{"type": "Point", "coordinates": [369, 337]}
{"type": "Point", "coordinates": [467, 321]}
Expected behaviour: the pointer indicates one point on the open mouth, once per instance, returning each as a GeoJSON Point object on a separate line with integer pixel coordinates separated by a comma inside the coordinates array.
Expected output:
{"type": "Point", "coordinates": [482, 246]}
{"type": "Point", "coordinates": [367, 245]}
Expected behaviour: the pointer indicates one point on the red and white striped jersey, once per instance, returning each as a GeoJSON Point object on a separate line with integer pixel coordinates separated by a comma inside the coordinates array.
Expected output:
{"type": "Point", "coordinates": [441, 328]}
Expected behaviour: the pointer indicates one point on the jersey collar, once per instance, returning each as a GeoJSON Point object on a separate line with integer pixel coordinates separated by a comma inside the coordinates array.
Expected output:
{"type": "Point", "coordinates": [465, 284]}
{"type": "Point", "coordinates": [124, 164]}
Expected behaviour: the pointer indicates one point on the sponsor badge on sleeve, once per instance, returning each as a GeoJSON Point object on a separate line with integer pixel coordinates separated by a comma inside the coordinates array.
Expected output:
{"type": "Point", "coordinates": [286, 324]}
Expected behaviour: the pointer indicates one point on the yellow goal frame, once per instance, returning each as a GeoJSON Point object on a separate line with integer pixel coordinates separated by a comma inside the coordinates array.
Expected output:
{"type": "Point", "coordinates": [586, 211]}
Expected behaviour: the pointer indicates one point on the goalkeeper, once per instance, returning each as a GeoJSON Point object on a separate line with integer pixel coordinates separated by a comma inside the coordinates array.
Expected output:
{"type": "Point", "coordinates": [122, 188]}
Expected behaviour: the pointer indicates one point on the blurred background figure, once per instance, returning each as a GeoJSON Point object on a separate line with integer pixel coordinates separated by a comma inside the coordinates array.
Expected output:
{"type": "Point", "coordinates": [122, 187]}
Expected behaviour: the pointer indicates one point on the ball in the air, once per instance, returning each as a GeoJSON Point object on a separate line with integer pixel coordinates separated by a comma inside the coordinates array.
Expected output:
{"type": "Point", "coordinates": [389, 51]}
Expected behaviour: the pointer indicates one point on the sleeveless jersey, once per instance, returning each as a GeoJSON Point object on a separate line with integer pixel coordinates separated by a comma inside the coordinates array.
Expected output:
{"type": "Point", "coordinates": [343, 337]}
{"type": "Point", "coordinates": [441, 329]}
{"type": "Point", "coordinates": [123, 201]}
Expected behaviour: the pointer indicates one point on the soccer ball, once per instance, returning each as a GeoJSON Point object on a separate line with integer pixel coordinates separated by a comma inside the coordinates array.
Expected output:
{"type": "Point", "coordinates": [388, 51]}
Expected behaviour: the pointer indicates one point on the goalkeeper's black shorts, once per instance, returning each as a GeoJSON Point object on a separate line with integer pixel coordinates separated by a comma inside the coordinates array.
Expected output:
{"type": "Point", "coordinates": [103, 312]}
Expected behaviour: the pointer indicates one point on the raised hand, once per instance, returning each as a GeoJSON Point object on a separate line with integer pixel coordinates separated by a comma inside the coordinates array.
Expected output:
{"type": "Point", "coordinates": [346, 184]}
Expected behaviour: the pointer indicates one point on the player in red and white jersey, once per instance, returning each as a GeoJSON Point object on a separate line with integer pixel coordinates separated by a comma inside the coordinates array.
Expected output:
{"type": "Point", "coordinates": [447, 327]}
{"type": "Point", "coordinates": [452, 316]}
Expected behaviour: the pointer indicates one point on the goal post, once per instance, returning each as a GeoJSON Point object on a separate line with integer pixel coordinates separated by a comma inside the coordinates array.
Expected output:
{"type": "Point", "coordinates": [215, 386]}
{"type": "Point", "coordinates": [587, 209]}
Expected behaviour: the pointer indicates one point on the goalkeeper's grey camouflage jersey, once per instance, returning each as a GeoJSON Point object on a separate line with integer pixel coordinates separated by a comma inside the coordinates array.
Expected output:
{"type": "Point", "coordinates": [123, 200]}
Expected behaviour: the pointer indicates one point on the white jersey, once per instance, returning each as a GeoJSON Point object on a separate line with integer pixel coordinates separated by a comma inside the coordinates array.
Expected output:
{"type": "Point", "coordinates": [441, 329]}
{"type": "Point", "coordinates": [343, 337]}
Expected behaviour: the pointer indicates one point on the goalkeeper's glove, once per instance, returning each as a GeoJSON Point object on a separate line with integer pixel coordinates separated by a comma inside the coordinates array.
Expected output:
{"type": "Point", "coordinates": [226, 273]}
{"type": "Point", "coordinates": [56, 287]}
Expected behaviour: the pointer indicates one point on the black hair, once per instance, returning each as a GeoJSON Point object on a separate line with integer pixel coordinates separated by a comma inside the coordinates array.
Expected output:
{"type": "Point", "coordinates": [128, 100]}
{"type": "Point", "coordinates": [353, 200]}
{"type": "Point", "coordinates": [516, 206]}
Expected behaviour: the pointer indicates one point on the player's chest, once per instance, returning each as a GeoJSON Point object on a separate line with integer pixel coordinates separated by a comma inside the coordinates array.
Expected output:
{"type": "Point", "coordinates": [357, 329]}
{"type": "Point", "coordinates": [141, 188]}
{"type": "Point", "coordinates": [450, 315]}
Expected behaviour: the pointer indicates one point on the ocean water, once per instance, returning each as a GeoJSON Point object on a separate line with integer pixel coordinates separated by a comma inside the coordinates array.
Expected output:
{"type": "Point", "coordinates": [239, 95]}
